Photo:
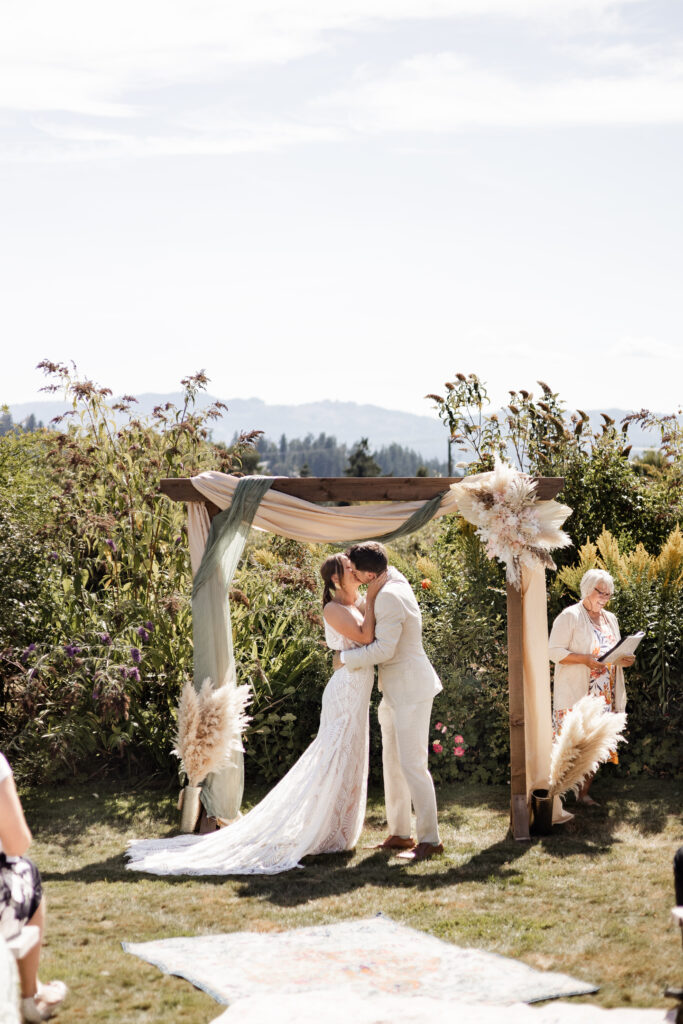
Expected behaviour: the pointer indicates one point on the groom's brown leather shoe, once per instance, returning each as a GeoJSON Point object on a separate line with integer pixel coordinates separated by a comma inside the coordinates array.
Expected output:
{"type": "Point", "coordinates": [423, 851]}
{"type": "Point", "coordinates": [397, 843]}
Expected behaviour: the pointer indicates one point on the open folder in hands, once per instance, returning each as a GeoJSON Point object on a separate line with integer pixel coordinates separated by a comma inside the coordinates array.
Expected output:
{"type": "Point", "coordinates": [627, 645]}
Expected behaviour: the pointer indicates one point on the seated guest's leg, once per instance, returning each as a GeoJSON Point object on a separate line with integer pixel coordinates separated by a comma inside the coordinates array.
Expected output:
{"type": "Point", "coordinates": [22, 903]}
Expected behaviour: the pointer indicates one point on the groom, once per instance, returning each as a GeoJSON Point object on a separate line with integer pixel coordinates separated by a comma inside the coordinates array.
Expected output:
{"type": "Point", "coordinates": [408, 684]}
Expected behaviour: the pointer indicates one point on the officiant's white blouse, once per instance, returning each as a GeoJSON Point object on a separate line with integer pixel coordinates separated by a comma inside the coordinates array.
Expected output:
{"type": "Point", "coordinates": [572, 633]}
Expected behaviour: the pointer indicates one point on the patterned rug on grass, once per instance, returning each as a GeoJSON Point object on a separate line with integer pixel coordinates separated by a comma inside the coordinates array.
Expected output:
{"type": "Point", "coordinates": [362, 957]}
{"type": "Point", "coordinates": [338, 1007]}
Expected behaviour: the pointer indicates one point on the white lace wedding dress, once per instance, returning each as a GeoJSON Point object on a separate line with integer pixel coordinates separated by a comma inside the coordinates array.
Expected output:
{"type": "Point", "coordinates": [318, 807]}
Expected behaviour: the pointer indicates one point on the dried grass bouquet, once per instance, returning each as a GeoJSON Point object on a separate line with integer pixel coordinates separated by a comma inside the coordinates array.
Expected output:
{"type": "Point", "coordinates": [589, 735]}
{"type": "Point", "coordinates": [209, 728]}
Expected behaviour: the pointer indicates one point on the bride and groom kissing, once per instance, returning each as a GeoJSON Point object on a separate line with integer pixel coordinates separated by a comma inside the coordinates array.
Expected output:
{"type": "Point", "coordinates": [319, 805]}
{"type": "Point", "coordinates": [408, 684]}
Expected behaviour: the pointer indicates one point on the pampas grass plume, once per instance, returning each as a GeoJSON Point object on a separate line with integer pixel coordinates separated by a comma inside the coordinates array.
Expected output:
{"type": "Point", "coordinates": [210, 725]}
{"type": "Point", "coordinates": [588, 736]}
{"type": "Point", "coordinates": [495, 501]}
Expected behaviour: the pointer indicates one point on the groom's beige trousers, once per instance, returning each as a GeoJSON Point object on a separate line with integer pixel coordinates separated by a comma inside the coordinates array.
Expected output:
{"type": "Point", "coordinates": [405, 739]}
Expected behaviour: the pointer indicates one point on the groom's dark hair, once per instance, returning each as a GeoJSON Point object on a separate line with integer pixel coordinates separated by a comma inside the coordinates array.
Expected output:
{"type": "Point", "coordinates": [368, 557]}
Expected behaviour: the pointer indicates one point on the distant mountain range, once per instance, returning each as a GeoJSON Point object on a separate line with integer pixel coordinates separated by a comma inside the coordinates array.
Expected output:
{"type": "Point", "coordinates": [347, 421]}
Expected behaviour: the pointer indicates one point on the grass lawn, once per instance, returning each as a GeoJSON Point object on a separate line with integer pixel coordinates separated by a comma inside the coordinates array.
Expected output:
{"type": "Point", "coordinates": [593, 899]}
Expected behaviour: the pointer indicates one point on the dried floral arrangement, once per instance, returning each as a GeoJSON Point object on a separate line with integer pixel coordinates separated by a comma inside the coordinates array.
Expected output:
{"type": "Point", "coordinates": [515, 527]}
{"type": "Point", "coordinates": [210, 726]}
{"type": "Point", "coordinates": [588, 736]}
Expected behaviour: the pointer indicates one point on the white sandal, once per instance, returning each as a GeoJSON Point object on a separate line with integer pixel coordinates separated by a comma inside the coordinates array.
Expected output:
{"type": "Point", "coordinates": [44, 1003]}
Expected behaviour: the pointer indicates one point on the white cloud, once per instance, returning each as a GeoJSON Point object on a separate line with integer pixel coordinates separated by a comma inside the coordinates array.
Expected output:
{"type": "Point", "coordinates": [446, 92]}
{"type": "Point", "coordinates": [92, 81]}
{"type": "Point", "coordinates": [80, 141]}
{"type": "Point", "coordinates": [645, 349]}
{"type": "Point", "coordinates": [83, 57]}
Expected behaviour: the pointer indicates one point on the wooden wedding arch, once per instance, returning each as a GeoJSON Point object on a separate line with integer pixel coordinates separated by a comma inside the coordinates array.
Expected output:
{"type": "Point", "coordinates": [355, 489]}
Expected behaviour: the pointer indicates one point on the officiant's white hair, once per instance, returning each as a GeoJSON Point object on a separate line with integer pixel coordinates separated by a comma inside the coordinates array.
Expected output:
{"type": "Point", "coordinates": [593, 577]}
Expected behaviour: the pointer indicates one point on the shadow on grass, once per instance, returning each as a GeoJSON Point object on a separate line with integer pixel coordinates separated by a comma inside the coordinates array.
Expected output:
{"type": "Point", "coordinates": [333, 875]}
{"type": "Point", "coordinates": [379, 870]}
{"type": "Point", "coordinates": [64, 818]}
{"type": "Point", "coordinates": [113, 869]}
{"type": "Point", "coordinates": [324, 875]}
{"type": "Point", "coordinates": [643, 804]}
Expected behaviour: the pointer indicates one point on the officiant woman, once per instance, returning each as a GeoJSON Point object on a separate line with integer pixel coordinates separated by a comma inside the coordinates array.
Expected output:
{"type": "Point", "coordinates": [580, 635]}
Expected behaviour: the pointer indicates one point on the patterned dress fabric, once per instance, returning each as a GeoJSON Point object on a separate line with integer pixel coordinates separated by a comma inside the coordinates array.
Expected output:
{"type": "Point", "coordinates": [20, 894]}
{"type": "Point", "coordinates": [20, 886]}
{"type": "Point", "coordinates": [318, 807]}
{"type": "Point", "coordinates": [602, 681]}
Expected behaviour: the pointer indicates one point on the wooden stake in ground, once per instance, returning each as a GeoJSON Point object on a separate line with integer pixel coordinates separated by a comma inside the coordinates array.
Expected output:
{"type": "Point", "coordinates": [519, 812]}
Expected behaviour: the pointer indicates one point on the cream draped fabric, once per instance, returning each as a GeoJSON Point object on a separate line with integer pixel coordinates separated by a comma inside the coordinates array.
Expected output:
{"type": "Point", "coordinates": [300, 520]}
{"type": "Point", "coordinates": [538, 729]}
{"type": "Point", "coordinates": [317, 524]}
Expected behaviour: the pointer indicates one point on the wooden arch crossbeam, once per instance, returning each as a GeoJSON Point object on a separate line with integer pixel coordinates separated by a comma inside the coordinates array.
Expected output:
{"type": "Point", "coordinates": [350, 488]}
{"type": "Point", "coordinates": [406, 488]}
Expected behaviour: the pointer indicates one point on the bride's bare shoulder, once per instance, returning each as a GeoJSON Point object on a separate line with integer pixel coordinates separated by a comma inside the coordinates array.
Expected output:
{"type": "Point", "coordinates": [336, 614]}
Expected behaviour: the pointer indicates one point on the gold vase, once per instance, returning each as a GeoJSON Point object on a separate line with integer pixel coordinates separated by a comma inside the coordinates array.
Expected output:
{"type": "Point", "coordinates": [190, 808]}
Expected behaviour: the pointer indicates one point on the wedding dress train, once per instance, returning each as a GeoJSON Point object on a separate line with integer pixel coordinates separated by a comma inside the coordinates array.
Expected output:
{"type": "Point", "coordinates": [318, 807]}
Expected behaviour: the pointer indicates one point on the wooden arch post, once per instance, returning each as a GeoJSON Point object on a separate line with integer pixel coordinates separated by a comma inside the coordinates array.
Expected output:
{"type": "Point", "coordinates": [346, 488]}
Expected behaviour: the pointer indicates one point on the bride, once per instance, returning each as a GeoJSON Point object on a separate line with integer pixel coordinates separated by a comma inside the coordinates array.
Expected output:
{"type": "Point", "coordinates": [319, 805]}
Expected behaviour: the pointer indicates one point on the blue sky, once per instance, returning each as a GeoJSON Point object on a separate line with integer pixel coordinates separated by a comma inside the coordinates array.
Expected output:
{"type": "Point", "coordinates": [347, 200]}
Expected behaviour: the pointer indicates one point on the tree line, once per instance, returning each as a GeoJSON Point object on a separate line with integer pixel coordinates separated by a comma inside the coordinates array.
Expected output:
{"type": "Point", "coordinates": [7, 424]}
{"type": "Point", "coordinates": [325, 456]}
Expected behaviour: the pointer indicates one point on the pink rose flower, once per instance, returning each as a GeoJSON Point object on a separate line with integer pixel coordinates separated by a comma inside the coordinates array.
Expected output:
{"type": "Point", "coordinates": [436, 747]}
{"type": "Point", "coordinates": [458, 739]}
{"type": "Point", "coordinates": [438, 726]}
{"type": "Point", "coordinates": [458, 751]}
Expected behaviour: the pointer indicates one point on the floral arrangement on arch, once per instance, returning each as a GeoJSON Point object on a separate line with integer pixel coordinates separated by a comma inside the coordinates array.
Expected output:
{"type": "Point", "coordinates": [514, 526]}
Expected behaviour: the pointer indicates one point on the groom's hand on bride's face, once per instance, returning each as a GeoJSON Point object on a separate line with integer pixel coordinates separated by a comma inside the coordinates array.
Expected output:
{"type": "Point", "coordinates": [336, 661]}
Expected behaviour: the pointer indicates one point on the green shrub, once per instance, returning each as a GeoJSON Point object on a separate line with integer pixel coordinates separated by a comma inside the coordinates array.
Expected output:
{"type": "Point", "coordinates": [98, 640]}
{"type": "Point", "coordinates": [464, 627]}
{"type": "Point", "coordinates": [27, 519]}
{"type": "Point", "coordinates": [603, 487]}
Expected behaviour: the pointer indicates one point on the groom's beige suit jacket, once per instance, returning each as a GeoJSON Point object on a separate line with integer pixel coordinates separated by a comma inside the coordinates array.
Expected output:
{"type": "Point", "coordinates": [405, 673]}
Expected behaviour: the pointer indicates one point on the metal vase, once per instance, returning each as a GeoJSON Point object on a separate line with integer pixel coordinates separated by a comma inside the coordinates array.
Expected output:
{"type": "Point", "coordinates": [541, 812]}
{"type": "Point", "coordinates": [190, 808]}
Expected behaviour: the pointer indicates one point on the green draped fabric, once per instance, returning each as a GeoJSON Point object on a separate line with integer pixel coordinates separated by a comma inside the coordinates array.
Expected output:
{"type": "Point", "coordinates": [211, 629]}
{"type": "Point", "coordinates": [419, 518]}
